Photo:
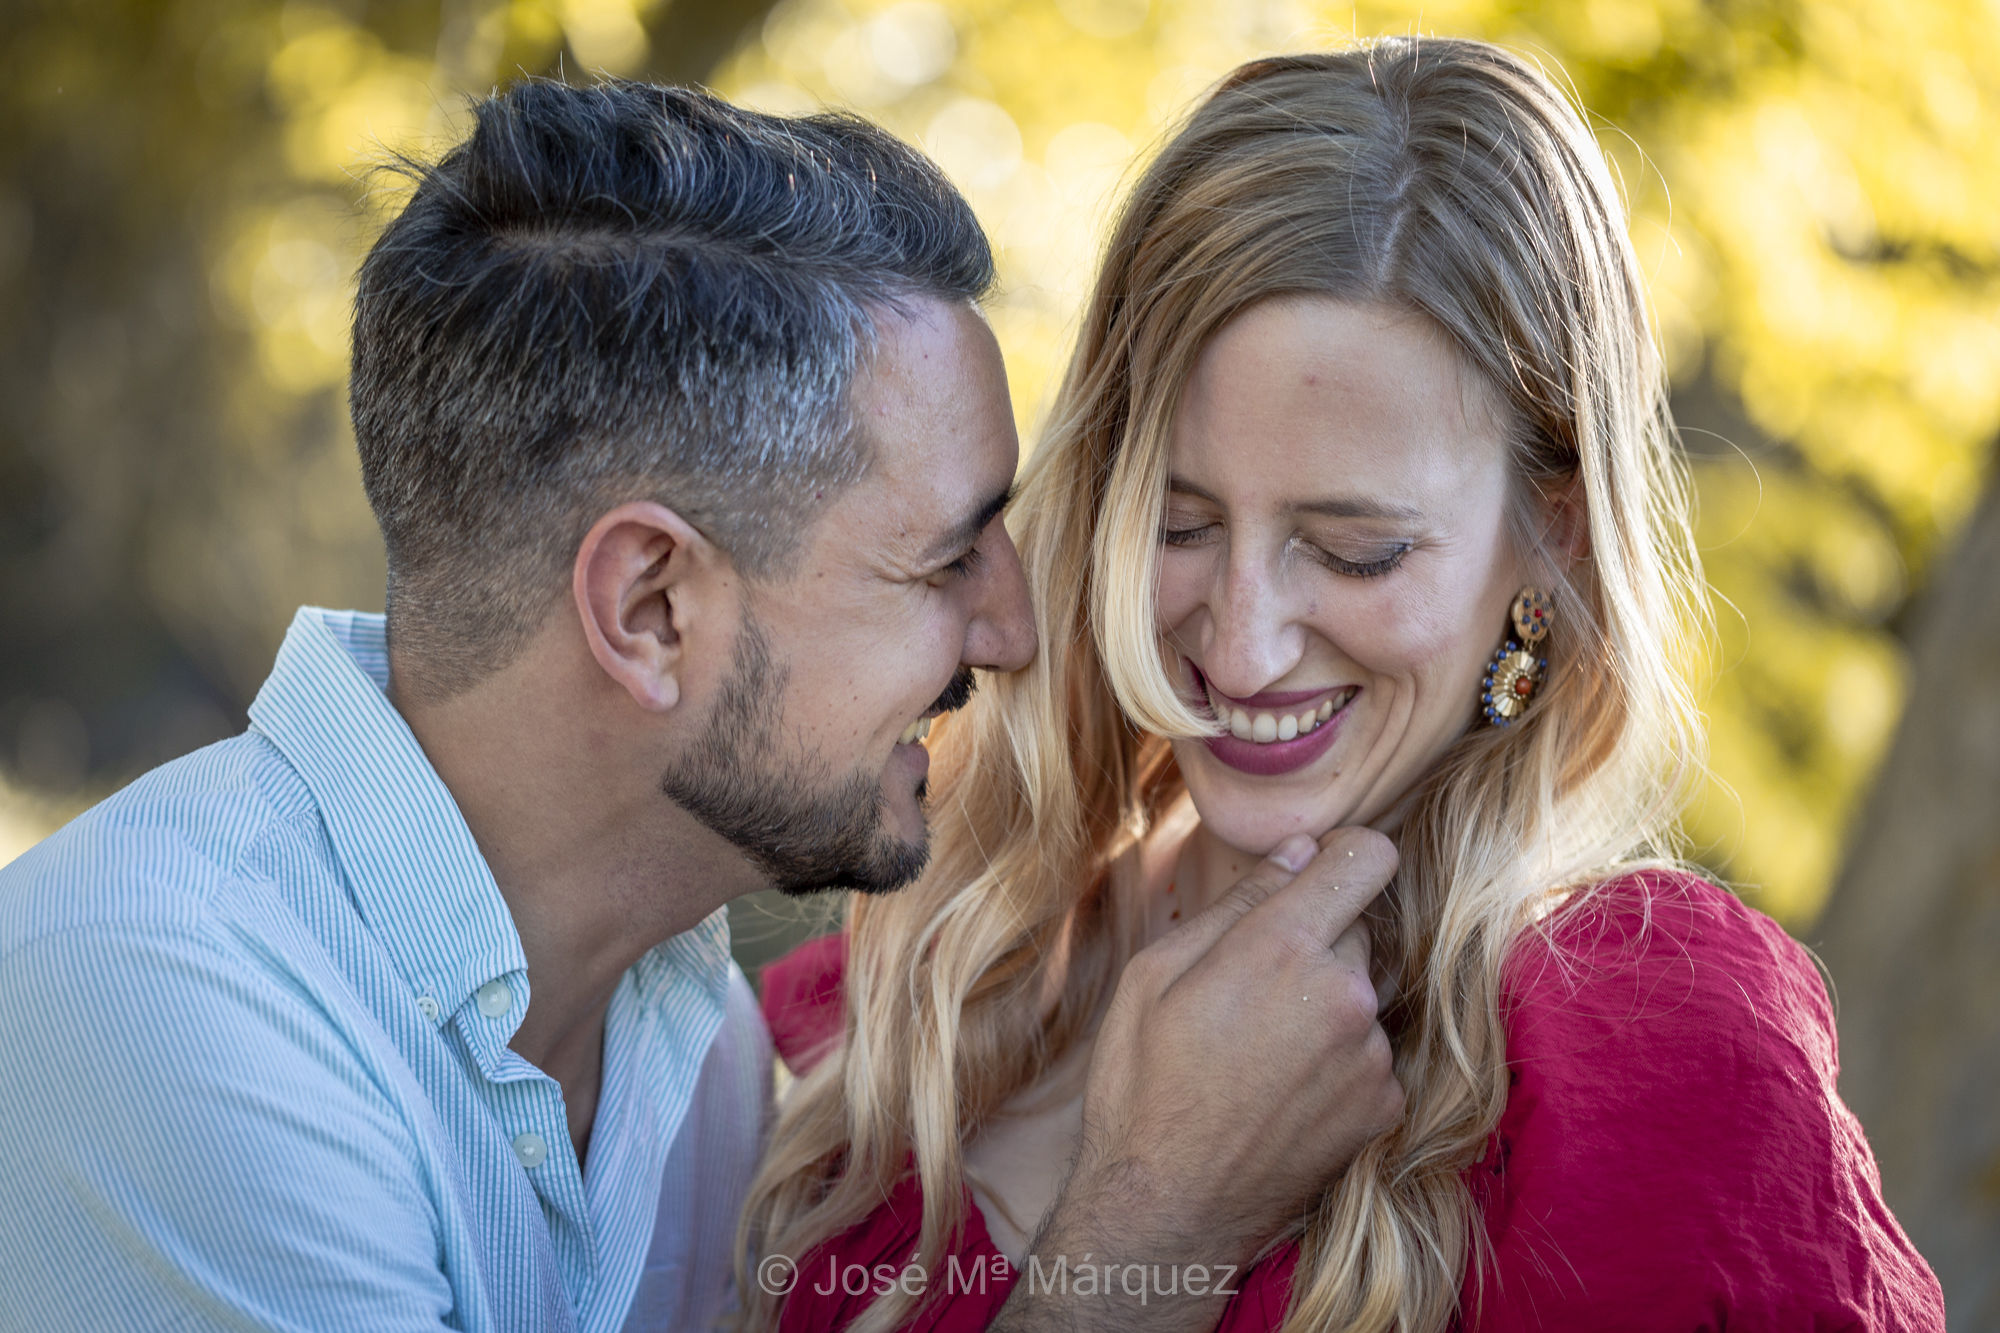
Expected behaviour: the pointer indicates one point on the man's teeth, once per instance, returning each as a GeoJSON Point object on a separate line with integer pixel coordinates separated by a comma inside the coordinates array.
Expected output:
{"type": "Point", "coordinates": [1264, 728]}
{"type": "Point", "coordinates": [915, 732]}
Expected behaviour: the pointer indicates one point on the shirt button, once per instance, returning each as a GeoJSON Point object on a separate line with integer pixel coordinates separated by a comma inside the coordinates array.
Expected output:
{"type": "Point", "coordinates": [427, 1007]}
{"type": "Point", "coordinates": [495, 998]}
{"type": "Point", "coordinates": [531, 1150]}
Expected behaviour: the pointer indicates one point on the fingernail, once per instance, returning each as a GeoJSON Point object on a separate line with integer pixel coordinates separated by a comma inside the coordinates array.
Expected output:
{"type": "Point", "coordinates": [1294, 852]}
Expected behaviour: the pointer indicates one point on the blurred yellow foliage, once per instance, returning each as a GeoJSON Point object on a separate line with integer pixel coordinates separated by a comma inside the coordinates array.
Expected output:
{"type": "Point", "coordinates": [1814, 193]}
{"type": "Point", "coordinates": [1815, 190]}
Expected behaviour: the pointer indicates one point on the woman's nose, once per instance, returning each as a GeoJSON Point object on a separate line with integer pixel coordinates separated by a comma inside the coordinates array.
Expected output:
{"type": "Point", "coordinates": [1254, 638]}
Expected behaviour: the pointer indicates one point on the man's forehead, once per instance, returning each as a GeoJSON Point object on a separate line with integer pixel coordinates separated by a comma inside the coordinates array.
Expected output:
{"type": "Point", "coordinates": [933, 415]}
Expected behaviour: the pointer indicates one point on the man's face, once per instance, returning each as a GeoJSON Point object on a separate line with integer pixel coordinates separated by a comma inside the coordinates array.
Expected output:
{"type": "Point", "coordinates": [807, 761]}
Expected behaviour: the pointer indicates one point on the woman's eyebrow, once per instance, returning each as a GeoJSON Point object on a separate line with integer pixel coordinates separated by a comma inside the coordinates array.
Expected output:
{"type": "Point", "coordinates": [1333, 506]}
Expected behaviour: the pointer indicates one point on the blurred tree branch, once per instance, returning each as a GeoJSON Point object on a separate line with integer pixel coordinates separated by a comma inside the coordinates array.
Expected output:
{"type": "Point", "coordinates": [1911, 937]}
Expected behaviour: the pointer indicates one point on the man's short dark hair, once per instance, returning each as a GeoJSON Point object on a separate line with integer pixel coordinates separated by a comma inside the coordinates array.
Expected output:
{"type": "Point", "coordinates": [625, 292]}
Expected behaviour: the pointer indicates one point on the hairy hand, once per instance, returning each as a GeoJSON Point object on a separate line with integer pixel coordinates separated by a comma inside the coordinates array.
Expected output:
{"type": "Point", "coordinates": [1238, 1070]}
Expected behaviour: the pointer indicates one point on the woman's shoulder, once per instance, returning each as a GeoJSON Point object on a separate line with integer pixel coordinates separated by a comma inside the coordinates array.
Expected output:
{"type": "Point", "coordinates": [801, 994]}
{"type": "Point", "coordinates": [1665, 958]}
{"type": "Point", "coordinates": [1656, 1016]}
{"type": "Point", "coordinates": [1673, 1142]}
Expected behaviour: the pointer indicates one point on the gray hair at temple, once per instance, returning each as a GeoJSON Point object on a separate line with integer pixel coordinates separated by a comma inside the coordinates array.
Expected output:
{"type": "Point", "coordinates": [624, 292]}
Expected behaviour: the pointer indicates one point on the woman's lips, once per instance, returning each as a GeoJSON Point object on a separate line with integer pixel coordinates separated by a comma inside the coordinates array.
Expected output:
{"type": "Point", "coordinates": [1266, 750]}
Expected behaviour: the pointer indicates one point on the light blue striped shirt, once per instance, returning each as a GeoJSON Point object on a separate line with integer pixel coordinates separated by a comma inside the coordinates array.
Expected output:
{"type": "Point", "coordinates": [254, 1072]}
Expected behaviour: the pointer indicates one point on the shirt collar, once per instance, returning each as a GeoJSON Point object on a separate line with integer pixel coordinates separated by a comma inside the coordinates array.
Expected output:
{"type": "Point", "coordinates": [412, 866]}
{"type": "Point", "coordinates": [701, 952]}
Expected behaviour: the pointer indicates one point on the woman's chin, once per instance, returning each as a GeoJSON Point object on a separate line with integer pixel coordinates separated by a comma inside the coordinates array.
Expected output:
{"type": "Point", "coordinates": [1255, 827]}
{"type": "Point", "coordinates": [1254, 822]}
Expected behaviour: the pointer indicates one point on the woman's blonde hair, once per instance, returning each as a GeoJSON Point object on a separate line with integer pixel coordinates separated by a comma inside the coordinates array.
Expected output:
{"type": "Point", "coordinates": [1445, 177]}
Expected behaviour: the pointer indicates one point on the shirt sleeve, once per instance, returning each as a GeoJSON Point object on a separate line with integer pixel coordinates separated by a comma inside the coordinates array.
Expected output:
{"type": "Point", "coordinates": [185, 1143]}
{"type": "Point", "coordinates": [1674, 1154]}
{"type": "Point", "coordinates": [689, 1280]}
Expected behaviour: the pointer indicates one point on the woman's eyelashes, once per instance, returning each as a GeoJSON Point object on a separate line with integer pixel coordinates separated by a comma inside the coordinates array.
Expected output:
{"type": "Point", "coordinates": [1184, 534]}
{"type": "Point", "coordinates": [1373, 566]}
{"type": "Point", "coordinates": [1359, 565]}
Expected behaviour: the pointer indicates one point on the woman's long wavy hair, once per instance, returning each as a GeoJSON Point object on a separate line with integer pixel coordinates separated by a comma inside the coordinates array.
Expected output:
{"type": "Point", "coordinates": [1446, 177]}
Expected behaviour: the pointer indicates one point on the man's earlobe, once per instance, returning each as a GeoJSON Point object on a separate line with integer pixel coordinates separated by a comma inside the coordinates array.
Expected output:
{"type": "Point", "coordinates": [631, 585]}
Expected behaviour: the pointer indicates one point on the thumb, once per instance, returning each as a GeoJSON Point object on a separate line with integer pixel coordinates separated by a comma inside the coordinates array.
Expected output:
{"type": "Point", "coordinates": [1196, 936]}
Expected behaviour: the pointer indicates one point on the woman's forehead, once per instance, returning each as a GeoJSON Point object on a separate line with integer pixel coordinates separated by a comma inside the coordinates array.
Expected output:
{"type": "Point", "coordinates": [1337, 389]}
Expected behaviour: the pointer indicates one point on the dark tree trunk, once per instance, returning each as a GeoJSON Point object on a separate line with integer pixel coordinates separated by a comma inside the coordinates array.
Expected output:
{"type": "Point", "coordinates": [1911, 936]}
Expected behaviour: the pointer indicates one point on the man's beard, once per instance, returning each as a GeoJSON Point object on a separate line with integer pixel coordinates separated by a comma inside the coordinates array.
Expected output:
{"type": "Point", "coordinates": [804, 828]}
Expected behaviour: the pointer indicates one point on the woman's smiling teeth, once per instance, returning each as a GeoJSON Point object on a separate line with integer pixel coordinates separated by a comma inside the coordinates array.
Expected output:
{"type": "Point", "coordinates": [1266, 728]}
{"type": "Point", "coordinates": [915, 732]}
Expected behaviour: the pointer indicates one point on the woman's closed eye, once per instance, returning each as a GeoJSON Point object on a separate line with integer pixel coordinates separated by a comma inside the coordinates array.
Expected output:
{"type": "Point", "coordinates": [1184, 533]}
{"type": "Point", "coordinates": [1368, 565]}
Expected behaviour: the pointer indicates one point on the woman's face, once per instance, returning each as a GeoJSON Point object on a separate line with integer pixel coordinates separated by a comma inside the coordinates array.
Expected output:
{"type": "Point", "coordinates": [1335, 562]}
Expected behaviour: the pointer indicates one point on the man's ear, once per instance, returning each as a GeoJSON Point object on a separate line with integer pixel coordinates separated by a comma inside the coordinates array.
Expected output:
{"type": "Point", "coordinates": [635, 582]}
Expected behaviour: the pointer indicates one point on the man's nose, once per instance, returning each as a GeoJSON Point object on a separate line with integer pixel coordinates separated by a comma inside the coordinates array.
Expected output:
{"type": "Point", "coordinates": [1002, 634]}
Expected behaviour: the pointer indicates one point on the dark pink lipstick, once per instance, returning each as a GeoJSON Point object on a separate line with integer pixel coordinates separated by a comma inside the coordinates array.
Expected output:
{"type": "Point", "coordinates": [1273, 758]}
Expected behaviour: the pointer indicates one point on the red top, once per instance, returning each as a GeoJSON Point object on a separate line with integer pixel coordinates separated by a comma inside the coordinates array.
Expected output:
{"type": "Point", "coordinates": [1673, 1154]}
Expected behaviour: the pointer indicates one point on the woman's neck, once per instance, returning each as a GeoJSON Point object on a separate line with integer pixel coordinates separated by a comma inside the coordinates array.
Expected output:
{"type": "Point", "coordinates": [1182, 869]}
{"type": "Point", "coordinates": [1185, 868]}
{"type": "Point", "coordinates": [1207, 868]}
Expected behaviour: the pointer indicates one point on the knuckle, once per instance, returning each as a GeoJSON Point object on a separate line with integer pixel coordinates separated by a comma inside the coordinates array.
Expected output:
{"type": "Point", "coordinates": [1352, 1006]}
{"type": "Point", "coordinates": [1239, 900]}
{"type": "Point", "coordinates": [1249, 891]}
{"type": "Point", "coordinates": [1292, 946]}
{"type": "Point", "coordinates": [1361, 996]}
{"type": "Point", "coordinates": [1393, 1102]}
{"type": "Point", "coordinates": [1146, 971]}
{"type": "Point", "coordinates": [1353, 946]}
{"type": "Point", "coordinates": [1370, 853]}
{"type": "Point", "coordinates": [1378, 1057]}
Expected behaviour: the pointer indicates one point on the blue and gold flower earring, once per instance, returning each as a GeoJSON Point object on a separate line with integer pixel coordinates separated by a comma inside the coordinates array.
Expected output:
{"type": "Point", "coordinates": [1516, 671]}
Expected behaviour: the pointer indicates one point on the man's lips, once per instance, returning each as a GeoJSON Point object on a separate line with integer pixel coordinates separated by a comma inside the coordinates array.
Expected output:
{"type": "Point", "coordinates": [956, 695]}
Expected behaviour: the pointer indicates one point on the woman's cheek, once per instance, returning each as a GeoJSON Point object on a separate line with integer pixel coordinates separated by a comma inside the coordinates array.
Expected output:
{"type": "Point", "coordinates": [1179, 595]}
{"type": "Point", "coordinates": [1400, 632]}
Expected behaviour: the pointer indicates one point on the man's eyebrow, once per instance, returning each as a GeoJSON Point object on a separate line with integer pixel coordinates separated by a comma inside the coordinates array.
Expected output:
{"type": "Point", "coordinates": [1332, 506]}
{"type": "Point", "coordinates": [965, 532]}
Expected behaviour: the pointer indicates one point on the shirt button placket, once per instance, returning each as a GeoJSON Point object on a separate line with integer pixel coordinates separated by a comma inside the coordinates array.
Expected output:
{"type": "Point", "coordinates": [495, 998]}
{"type": "Point", "coordinates": [531, 1149]}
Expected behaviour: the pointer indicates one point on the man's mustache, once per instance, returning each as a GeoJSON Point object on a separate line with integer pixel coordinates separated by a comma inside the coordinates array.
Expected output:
{"type": "Point", "coordinates": [956, 694]}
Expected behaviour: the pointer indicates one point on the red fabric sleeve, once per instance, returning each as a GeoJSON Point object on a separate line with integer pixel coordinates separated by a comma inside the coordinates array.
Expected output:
{"type": "Point", "coordinates": [802, 1001]}
{"type": "Point", "coordinates": [1673, 1154]}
